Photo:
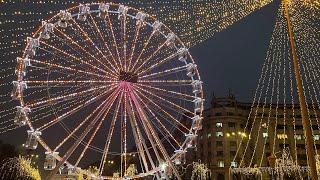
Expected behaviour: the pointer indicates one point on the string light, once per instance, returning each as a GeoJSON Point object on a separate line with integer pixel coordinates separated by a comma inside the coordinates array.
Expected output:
{"type": "Point", "coordinates": [282, 120]}
{"type": "Point", "coordinates": [69, 63]}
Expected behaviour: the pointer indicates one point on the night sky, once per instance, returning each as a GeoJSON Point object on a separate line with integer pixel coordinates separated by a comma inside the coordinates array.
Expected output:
{"type": "Point", "coordinates": [232, 59]}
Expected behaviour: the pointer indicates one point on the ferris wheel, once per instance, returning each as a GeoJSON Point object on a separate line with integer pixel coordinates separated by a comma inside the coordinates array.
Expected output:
{"type": "Point", "coordinates": [103, 82]}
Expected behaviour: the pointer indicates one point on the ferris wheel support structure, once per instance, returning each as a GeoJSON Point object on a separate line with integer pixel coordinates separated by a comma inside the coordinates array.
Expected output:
{"type": "Point", "coordinates": [105, 109]}
{"type": "Point", "coordinates": [302, 99]}
{"type": "Point", "coordinates": [151, 129]}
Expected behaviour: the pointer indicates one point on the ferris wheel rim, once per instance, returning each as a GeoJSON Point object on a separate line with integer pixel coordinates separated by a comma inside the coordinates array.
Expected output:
{"type": "Point", "coordinates": [42, 142]}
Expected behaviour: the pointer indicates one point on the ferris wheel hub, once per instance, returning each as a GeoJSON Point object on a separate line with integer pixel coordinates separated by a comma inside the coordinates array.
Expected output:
{"type": "Point", "coordinates": [128, 77]}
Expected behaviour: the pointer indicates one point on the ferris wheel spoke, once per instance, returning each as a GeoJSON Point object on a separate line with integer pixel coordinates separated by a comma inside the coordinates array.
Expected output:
{"type": "Point", "coordinates": [59, 106]}
{"type": "Point", "coordinates": [74, 110]}
{"type": "Point", "coordinates": [109, 136]}
{"type": "Point", "coordinates": [166, 101]}
{"type": "Point", "coordinates": [63, 116]}
{"type": "Point", "coordinates": [102, 48]}
{"type": "Point", "coordinates": [62, 75]}
{"type": "Point", "coordinates": [33, 105]}
{"type": "Point", "coordinates": [124, 135]}
{"type": "Point", "coordinates": [144, 148]}
{"type": "Point", "coordinates": [165, 72]}
{"type": "Point", "coordinates": [64, 83]}
{"type": "Point", "coordinates": [61, 83]}
{"type": "Point", "coordinates": [171, 96]}
{"type": "Point", "coordinates": [150, 57]}
{"type": "Point", "coordinates": [142, 51]}
{"type": "Point", "coordinates": [51, 65]}
{"type": "Point", "coordinates": [113, 38]}
{"type": "Point", "coordinates": [75, 43]}
{"type": "Point", "coordinates": [88, 53]}
{"type": "Point", "coordinates": [176, 94]}
{"type": "Point", "coordinates": [75, 58]}
{"type": "Point", "coordinates": [40, 94]}
{"type": "Point", "coordinates": [158, 63]}
{"type": "Point", "coordinates": [105, 109]}
{"type": "Point", "coordinates": [152, 133]}
{"type": "Point", "coordinates": [163, 134]}
{"type": "Point", "coordinates": [79, 126]}
{"type": "Point", "coordinates": [49, 112]}
{"type": "Point", "coordinates": [172, 121]}
{"type": "Point", "coordinates": [65, 100]}
{"type": "Point", "coordinates": [98, 128]}
{"type": "Point", "coordinates": [134, 43]}
{"type": "Point", "coordinates": [163, 127]}
{"type": "Point", "coordinates": [58, 56]}
{"type": "Point", "coordinates": [176, 121]}
{"type": "Point", "coordinates": [136, 135]}
{"type": "Point", "coordinates": [164, 83]}
{"type": "Point", "coordinates": [76, 47]}
{"type": "Point", "coordinates": [71, 134]}
{"type": "Point", "coordinates": [93, 44]}
{"type": "Point", "coordinates": [123, 33]}
{"type": "Point", "coordinates": [68, 60]}
{"type": "Point", "coordinates": [46, 112]}
{"type": "Point", "coordinates": [105, 44]}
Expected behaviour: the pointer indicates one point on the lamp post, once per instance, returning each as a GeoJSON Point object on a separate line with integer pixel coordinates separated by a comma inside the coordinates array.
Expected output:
{"type": "Point", "coordinates": [302, 99]}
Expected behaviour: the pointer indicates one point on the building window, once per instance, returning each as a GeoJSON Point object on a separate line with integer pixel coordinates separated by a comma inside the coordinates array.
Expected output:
{"type": "Point", "coordinates": [220, 177]}
{"type": "Point", "coordinates": [234, 164]}
{"type": "Point", "coordinates": [301, 146]}
{"type": "Point", "coordinates": [315, 127]}
{"type": "Point", "coordinates": [233, 143]}
{"type": "Point", "coordinates": [265, 135]}
{"type": "Point", "coordinates": [282, 136]}
{"type": "Point", "coordinates": [302, 157]}
{"type": "Point", "coordinates": [220, 164]}
{"type": "Point", "coordinates": [219, 134]}
{"type": "Point", "coordinates": [316, 137]}
{"type": "Point", "coordinates": [233, 154]}
{"type": "Point", "coordinates": [232, 125]}
{"type": "Point", "coordinates": [298, 137]}
{"type": "Point", "coordinates": [219, 124]}
{"type": "Point", "coordinates": [298, 116]}
{"type": "Point", "coordinates": [219, 143]}
{"type": "Point", "coordinates": [209, 135]}
{"type": "Point", "coordinates": [281, 145]}
{"type": "Point", "coordinates": [219, 153]}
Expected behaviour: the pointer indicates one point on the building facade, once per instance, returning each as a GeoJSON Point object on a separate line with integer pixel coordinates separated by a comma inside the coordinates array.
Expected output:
{"type": "Point", "coordinates": [229, 137]}
{"type": "Point", "coordinates": [221, 134]}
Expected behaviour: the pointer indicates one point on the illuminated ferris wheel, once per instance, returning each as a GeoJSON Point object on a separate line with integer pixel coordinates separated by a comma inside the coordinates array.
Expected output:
{"type": "Point", "coordinates": [111, 83]}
